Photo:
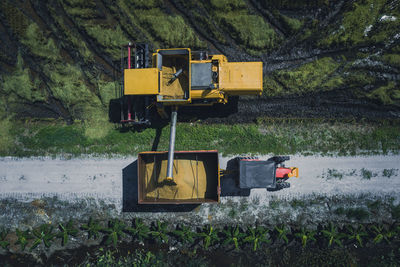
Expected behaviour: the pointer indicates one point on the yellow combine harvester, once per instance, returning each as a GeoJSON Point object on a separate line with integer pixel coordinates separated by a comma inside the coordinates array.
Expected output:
{"type": "Point", "coordinates": [180, 77]}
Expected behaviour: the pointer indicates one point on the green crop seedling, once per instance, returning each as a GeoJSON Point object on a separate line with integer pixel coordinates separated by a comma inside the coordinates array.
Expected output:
{"type": "Point", "coordinates": [382, 234]}
{"type": "Point", "coordinates": [23, 238]}
{"type": "Point", "coordinates": [114, 231]}
{"type": "Point", "coordinates": [333, 235]}
{"type": "Point", "coordinates": [209, 236]}
{"type": "Point", "coordinates": [3, 242]}
{"type": "Point", "coordinates": [233, 235]}
{"type": "Point", "coordinates": [184, 234]}
{"type": "Point", "coordinates": [159, 232]}
{"type": "Point", "coordinates": [356, 234]}
{"type": "Point", "coordinates": [67, 230]}
{"type": "Point", "coordinates": [306, 236]}
{"type": "Point", "coordinates": [43, 234]}
{"type": "Point", "coordinates": [139, 230]}
{"type": "Point", "coordinates": [282, 231]}
{"type": "Point", "coordinates": [257, 236]}
{"type": "Point", "coordinates": [93, 228]}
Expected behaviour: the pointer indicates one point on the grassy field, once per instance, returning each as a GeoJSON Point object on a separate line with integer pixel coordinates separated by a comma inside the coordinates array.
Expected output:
{"type": "Point", "coordinates": [276, 136]}
{"type": "Point", "coordinates": [65, 60]}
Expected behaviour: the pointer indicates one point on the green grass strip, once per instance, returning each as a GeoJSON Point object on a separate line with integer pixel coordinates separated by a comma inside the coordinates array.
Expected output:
{"type": "Point", "coordinates": [305, 137]}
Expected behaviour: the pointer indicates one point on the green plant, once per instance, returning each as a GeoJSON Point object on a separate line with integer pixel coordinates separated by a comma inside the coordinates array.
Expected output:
{"type": "Point", "coordinates": [356, 234]}
{"type": "Point", "coordinates": [23, 237]}
{"type": "Point", "coordinates": [297, 203]}
{"type": "Point", "coordinates": [114, 231]}
{"type": "Point", "coordinates": [249, 30]}
{"type": "Point", "coordinates": [282, 232]}
{"type": "Point", "coordinates": [274, 204]}
{"type": "Point", "coordinates": [357, 213]}
{"type": "Point", "coordinates": [184, 234]}
{"type": "Point", "coordinates": [395, 211]}
{"type": "Point", "coordinates": [106, 258]}
{"type": "Point", "coordinates": [389, 172]}
{"type": "Point", "coordinates": [139, 258]}
{"type": "Point", "coordinates": [366, 174]}
{"type": "Point", "coordinates": [233, 235]}
{"type": "Point", "coordinates": [93, 228]}
{"type": "Point", "coordinates": [335, 174]}
{"type": "Point", "coordinates": [233, 212]}
{"type": "Point", "coordinates": [143, 259]}
{"type": "Point", "coordinates": [43, 234]}
{"type": "Point", "coordinates": [380, 233]}
{"type": "Point", "coordinates": [140, 231]}
{"type": "Point", "coordinates": [3, 242]}
{"type": "Point", "coordinates": [397, 231]}
{"type": "Point", "coordinates": [257, 236]}
{"type": "Point", "coordinates": [67, 230]}
{"type": "Point", "coordinates": [306, 236]}
{"type": "Point", "coordinates": [159, 232]}
{"type": "Point", "coordinates": [209, 236]}
{"type": "Point", "coordinates": [333, 235]}
{"type": "Point", "coordinates": [319, 75]}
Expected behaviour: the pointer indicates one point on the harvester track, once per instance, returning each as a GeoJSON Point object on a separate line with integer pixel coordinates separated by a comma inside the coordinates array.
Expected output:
{"type": "Point", "coordinates": [309, 106]}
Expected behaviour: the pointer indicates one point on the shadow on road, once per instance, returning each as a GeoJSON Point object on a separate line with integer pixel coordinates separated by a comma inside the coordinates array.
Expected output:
{"type": "Point", "coordinates": [130, 195]}
{"type": "Point", "coordinates": [230, 182]}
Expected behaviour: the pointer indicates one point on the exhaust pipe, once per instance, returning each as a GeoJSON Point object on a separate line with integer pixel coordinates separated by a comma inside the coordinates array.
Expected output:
{"type": "Point", "coordinates": [171, 150]}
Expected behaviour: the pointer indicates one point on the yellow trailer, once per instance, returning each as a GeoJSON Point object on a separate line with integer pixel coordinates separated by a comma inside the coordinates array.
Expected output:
{"type": "Point", "coordinates": [196, 178]}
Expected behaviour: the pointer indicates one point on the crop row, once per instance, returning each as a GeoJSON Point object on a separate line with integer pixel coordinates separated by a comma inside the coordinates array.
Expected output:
{"type": "Point", "coordinates": [229, 236]}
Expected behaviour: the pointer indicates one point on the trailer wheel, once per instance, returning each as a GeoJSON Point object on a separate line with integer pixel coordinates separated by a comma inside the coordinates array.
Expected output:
{"type": "Point", "coordinates": [279, 159]}
{"type": "Point", "coordinates": [282, 185]}
{"type": "Point", "coordinates": [279, 186]}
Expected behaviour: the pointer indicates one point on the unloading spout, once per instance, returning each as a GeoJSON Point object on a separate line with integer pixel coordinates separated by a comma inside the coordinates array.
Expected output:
{"type": "Point", "coordinates": [171, 149]}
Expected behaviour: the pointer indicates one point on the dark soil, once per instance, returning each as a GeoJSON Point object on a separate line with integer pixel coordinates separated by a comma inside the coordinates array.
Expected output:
{"type": "Point", "coordinates": [276, 255]}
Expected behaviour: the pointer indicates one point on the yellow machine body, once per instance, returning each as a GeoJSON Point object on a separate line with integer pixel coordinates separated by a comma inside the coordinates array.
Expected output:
{"type": "Point", "coordinates": [177, 78]}
{"type": "Point", "coordinates": [141, 81]}
{"type": "Point", "coordinates": [196, 178]}
{"type": "Point", "coordinates": [240, 78]}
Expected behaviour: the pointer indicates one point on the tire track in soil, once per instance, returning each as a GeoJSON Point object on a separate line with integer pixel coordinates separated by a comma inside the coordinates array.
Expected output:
{"type": "Point", "coordinates": [330, 105]}
{"type": "Point", "coordinates": [232, 50]}
{"type": "Point", "coordinates": [211, 44]}
{"type": "Point", "coordinates": [267, 16]}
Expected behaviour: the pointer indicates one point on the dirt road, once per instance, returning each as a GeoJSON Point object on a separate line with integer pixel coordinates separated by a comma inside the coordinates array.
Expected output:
{"type": "Point", "coordinates": [102, 178]}
{"type": "Point", "coordinates": [99, 185]}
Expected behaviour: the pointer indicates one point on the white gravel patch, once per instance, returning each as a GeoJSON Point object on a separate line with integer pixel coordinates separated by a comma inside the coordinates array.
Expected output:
{"type": "Point", "coordinates": [313, 176]}
{"type": "Point", "coordinates": [97, 178]}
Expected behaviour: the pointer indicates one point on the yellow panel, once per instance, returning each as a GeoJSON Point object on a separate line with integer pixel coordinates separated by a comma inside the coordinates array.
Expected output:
{"type": "Point", "coordinates": [141, 81]}
{"type": "Point", "coordinates": [241, 78]}
{"type": "Point", "coordinates": [201, 94]}
{"type": "Point", "coordinates": [190, 180]}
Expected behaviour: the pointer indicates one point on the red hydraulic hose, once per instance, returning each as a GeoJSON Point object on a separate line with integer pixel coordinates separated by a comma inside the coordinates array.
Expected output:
{"type": "Point", "coordinates": [129, 55]}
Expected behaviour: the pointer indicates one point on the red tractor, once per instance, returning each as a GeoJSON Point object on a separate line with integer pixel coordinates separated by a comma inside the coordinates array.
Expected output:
{"type": "Point", "coordinates": [271, 174]}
